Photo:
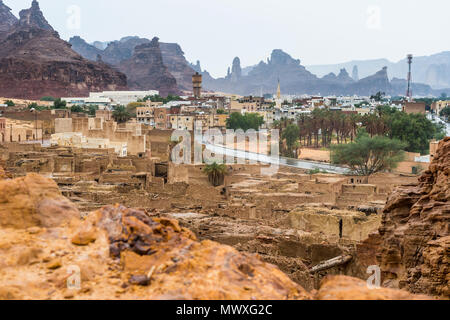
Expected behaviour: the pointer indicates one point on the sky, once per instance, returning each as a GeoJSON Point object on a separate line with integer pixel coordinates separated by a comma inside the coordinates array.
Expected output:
{"type": "Point", "coordinates": [216, 31]}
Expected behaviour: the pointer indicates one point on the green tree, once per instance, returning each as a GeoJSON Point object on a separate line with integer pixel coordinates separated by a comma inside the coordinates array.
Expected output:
{"type": "Point", "coordinates": [445, 112]}
{"type": "Point", "coordinates": [245, 122]}
{"type": "Point", "coordinates": [77, 108]}
{"type": "Point", "coordinates": [221, 111]}
{"type": "Point", "coordinates": [92, 109]}
{"type": "Point", "coordinates": [216, 173]}
{"type": "Point", "coordinates": [291, 136]}
{"type": "Point", "coordinates": [379, 96]}
{"type": "Point", "coordinates": [10, 103]}
{"type": "Point", "coordinates": [59, 104]}
{"type": "Point", "coordinates": [121, 115]}
{"type": "Point", "coordinates": [369, 155]}
{"type": "Point", "coordinates": [48, 99]}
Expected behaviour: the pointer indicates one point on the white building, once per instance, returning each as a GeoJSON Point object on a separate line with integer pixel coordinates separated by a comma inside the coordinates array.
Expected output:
{"type": "Point", "coordinates": [107, 98]}
{"type": "Point", "coordinates": [123, 97]}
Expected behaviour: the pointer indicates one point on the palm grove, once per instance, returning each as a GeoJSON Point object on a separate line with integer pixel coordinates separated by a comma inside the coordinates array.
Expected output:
{"type": "Point", "coordinates": [366, 143]}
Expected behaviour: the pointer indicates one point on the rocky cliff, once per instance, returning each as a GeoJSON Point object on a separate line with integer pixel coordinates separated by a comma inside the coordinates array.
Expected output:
{"type": "Point", "coordinates": [118, 51]}
{"type": "Point", "coordinates": [178, 66]}
{"type": "Point", "coordinates": [7, 19]}
{"type": "Point", "coordinates": [35, 62]}
{"type": "Point", "coordinates": [146, 70]}
{"type": "Point", "coordinates": [296, 79]}
{"type": "Point", "coordinates": [413, 243]}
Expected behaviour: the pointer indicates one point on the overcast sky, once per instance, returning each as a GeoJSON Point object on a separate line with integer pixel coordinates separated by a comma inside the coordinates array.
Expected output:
{"type": "Point", "coordinates": [215, 31]}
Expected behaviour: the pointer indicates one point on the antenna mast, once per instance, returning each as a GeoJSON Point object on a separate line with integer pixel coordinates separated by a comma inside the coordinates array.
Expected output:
{"type": "Point", "coordinates": [409, 91]}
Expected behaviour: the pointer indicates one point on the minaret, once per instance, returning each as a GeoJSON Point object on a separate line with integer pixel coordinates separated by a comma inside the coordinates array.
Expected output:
{"type": "Point", "coordinates": [279, 90]}
{"type": "Point", "coordinates": [278, 99]}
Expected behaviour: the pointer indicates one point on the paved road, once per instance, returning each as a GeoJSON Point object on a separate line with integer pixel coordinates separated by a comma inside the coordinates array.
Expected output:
{"type": "Point", "coordinates": [439, 120]}
{"type": "Point", "coordinates": [282, 161]}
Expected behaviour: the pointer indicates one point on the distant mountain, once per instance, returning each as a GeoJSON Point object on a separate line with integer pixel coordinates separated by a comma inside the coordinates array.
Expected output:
{"type": "Point", "coordinates": [145, 69]}
{"type": "Point", "coordinates": [118, 51]}
{"type": "Point", "coordinates": [433, 70]}
{"type": "Point", "coordinates": [35, 62]}
{"type": "Point", "coordinates": [296, 79]}
{"type": "Point", "coordinates": [7, 19]}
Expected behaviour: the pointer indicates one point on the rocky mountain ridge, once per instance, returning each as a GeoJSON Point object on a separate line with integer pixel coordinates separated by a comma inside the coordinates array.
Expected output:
{"type": "Point", "coordinates": [35, 62]}
{"type": "Point", "coordinates": [296, 79]}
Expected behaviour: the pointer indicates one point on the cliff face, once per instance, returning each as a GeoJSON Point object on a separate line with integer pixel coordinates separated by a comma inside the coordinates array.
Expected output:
{"type": "Point", "coordinates": [296, 79]}
{"type": "Point", "coordinates": [119, 51]}
{"type": "Point", "coordinates": [34, 17]}
{"type": "Point", "coordinates": [145, 70]}
{"type": "Point", "coordinates": [83, 48]}
{"type": "Point", "coordinates": [415, 239]}
{"type": "Point", "coordinates": [7, 19]}
{"type": "Point", "coordinates": [35, 62]}
{"type": "Point", "coordinates": [178, 66]}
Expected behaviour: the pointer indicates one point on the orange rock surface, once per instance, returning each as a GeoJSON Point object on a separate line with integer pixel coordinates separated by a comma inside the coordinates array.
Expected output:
{"type": "Point", "coordinates": [33, 201]}
{"type": "Point", "coordinates": [415, 238]}
{"type": "Point", "coordinates": [348, 288]}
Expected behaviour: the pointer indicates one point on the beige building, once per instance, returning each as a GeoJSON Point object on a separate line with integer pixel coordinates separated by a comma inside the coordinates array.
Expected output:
{"type": "Point", "coordinates": [146, 115]}
{"type": "Point", "coordinates": [182, 121]}
{"type": "Point", "coordinates": [20, 131]}
{"type": "Point", "coordinates": [77, 140]}
{"type": "Point", "coordinates": [437, 106]}
{"type": "Point", "coordinates": [414, 107]}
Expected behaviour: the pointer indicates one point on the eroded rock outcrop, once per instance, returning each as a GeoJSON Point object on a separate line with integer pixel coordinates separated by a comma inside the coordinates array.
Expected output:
{"type": "Point", "coordinates": [146, 70]}
{"type": "Point", "coordinates": [7, 19]}
{"type": "Point", "coordinates": [158, 251]}
{"type": "Point", "coordinates": [33, 201]}
{"type": "Point", "coordinates": [35, 62]}
{"type": "Point", "coordinates": [415, 239]}
{"type": "Point", "coordinates": [348, 288]}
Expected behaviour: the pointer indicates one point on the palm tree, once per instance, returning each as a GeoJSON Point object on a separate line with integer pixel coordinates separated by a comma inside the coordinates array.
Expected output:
{"type": "Point", "coordinates": [216, 173]}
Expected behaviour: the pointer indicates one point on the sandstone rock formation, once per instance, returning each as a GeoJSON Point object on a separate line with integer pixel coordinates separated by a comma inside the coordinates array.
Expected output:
{"type": "Point", "coordinates": [123, 49]}
{"type": "Point", "coordinates": [2, 174]}
{"type": "Point", "coordinates": [121, 253]}
{"type": "Point", "coordinates": [296, 79]}
{"type": "Point", "coordinates": [35, 62]}
{"type": "Point", "coordinates": [414, 238]}
{"type": "Point", "coordinates": [168, 255]}
{"type": "Point", "coordinates": [178, 66]}
{"type": "Point", "coordinates": [7, 19]}
{"type": "Point", "coordinates": [33, 201]}
{"type": "Point", "coordinates": [146, 70]}
{"type": "Point", "coordinates": [34, 17]}
{"type": "Point", "coordinates": [85, 49]}
{"type": "Point", "coordinates": [348, 288]}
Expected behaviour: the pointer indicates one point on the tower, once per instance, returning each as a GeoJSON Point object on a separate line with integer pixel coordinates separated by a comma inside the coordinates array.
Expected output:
{"type": "Point", "coordinates": [197, 85]}
{"type": "Point", "coordinates": [279, 90]}
{"type": "Point", "coordinates": [409, 90]}
{"type": "Point", "coordinates": [278, 99]}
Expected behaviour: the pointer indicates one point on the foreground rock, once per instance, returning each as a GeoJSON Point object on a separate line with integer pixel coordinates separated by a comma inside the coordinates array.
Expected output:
{"type": "Point", "coordinates": [414, 238]}
{"type": "Point", "coordinates": [121, 253]}
{"type": "Point", "coordinates": [33, 201]}
{"type": "Point", "coordinates": [159, 251]}
{"type": "Point", "coordinates": [348, 288]}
